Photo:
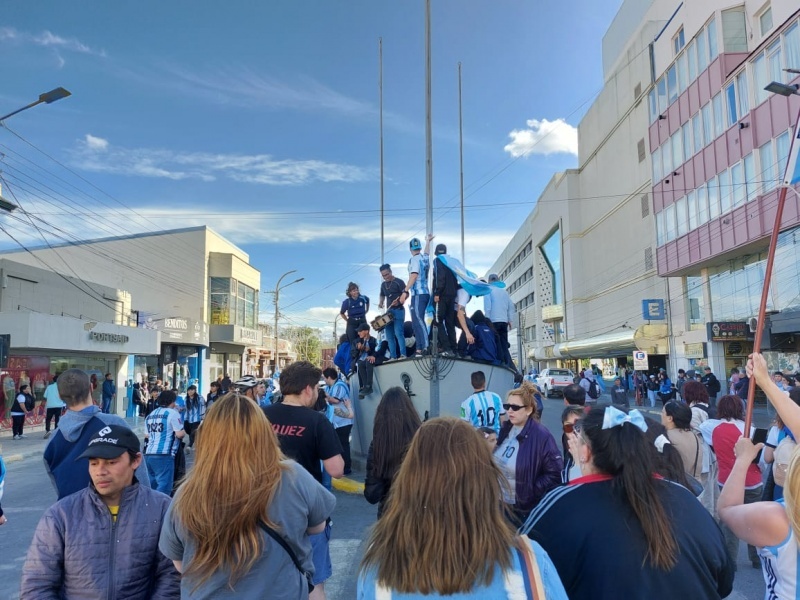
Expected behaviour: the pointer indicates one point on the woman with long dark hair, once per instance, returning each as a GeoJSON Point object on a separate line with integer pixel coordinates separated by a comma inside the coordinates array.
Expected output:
{"type": "Point", "coordinates": [195, 411]}
{"type": "Point", "coordinates": [242, 496]}
{"type": "Point", "coordinates": [396, 422]}
{"type": "Point", "coordinates": [676, 417]}
{"type": "Point", "coordinates": [659, 541]}
{"type": "Point", "coordinates": [444, 534]}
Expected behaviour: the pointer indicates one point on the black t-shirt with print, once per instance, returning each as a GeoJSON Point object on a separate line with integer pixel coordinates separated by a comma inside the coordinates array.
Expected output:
{"type": "Point", "coordinates": [305, 436]}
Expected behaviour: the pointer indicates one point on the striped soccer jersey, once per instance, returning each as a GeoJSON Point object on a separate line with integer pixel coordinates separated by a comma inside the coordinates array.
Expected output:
{"type": "Point", "coordinates": [483, 409]}
{"type": "Point", "coordinates": [161, 425]}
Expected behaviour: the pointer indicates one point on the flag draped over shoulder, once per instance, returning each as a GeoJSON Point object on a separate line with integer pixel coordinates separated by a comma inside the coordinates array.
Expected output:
{"type": "Point", "coordinates": [467, 279]}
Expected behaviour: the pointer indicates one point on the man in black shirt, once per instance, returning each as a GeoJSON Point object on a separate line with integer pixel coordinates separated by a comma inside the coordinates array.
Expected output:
{"type": "Point", "coordinates": [394, 295]}
{"type": "Point", "coordinates": [712, 386]}
{"type": "Point", "coordinates": [444, 290]}
{"type": "Point", "coordinates": [307, 437]}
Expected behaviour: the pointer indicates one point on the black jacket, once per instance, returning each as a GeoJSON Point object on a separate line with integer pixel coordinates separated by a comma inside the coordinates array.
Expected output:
{"type": "Point", "coordinates": [712, 384]}
{"type": "Point", "coordinates": [444, 281]}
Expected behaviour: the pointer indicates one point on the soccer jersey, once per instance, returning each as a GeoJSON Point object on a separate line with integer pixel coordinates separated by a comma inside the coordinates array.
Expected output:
{"type": "Point", "coordinates": [419, 264]}
{"type": "Point", "coordinates": [779, 564]}
{"type": "Point", "coordinates": [340, 391]}
{"type": "Point", "coordinates": [161, 425]}
{"type": "Point", "coordinates": [197, 410]}
{"type": "Point", "coordinates": [483, 409]}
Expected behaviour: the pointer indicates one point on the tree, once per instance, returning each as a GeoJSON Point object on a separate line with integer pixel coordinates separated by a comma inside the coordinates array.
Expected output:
{"type": "Point", "coordinates": [306, 342]}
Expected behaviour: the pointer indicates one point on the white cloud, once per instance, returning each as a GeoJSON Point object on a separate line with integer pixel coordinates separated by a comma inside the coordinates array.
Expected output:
{"type": "Point", "coordinates": [543, 137]}
{"type": "Point", "coordinates": [46, 39]}
{"type": "Point", "coordinates": [97, 154]}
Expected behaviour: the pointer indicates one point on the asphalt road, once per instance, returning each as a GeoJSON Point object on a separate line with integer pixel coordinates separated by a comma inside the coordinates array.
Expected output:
{"type": "Point", "coordinates": [29, 492]}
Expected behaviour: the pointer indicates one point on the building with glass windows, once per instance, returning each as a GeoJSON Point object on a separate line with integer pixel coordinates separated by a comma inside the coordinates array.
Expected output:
{"type": "Point", "coordinates": [192, 285]}
{"type": "Point", "coordinates": [657, 241]}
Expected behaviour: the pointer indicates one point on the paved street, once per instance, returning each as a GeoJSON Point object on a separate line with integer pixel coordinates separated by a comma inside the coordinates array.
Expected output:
{"type": "Point", "coordinates": [29, 493]}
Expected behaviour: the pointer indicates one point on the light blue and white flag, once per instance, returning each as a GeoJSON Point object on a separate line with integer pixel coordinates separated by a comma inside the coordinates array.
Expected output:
{"type": "Point", "coordinates": [467, 279]}
{"type": "Point", "coordinates": [792, 175]}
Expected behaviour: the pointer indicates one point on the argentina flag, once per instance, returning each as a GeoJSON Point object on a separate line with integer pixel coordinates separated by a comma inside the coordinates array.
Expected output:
{"type": "Point", "coordinates": [467, 279]}
{"type": "Point", "coordinates": [792, 175]}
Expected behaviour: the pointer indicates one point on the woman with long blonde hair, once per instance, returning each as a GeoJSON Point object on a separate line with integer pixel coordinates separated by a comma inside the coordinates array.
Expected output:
{"type": "Point", "coordinates": [239, 524]}
{"type": "Point", "coordinates": [444, 533]}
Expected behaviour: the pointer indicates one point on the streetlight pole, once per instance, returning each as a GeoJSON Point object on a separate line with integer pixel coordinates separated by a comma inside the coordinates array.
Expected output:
{"type": "Point", "coordinates": [276, 300]}
{"type": "Point", "coordinates": [46, 98]}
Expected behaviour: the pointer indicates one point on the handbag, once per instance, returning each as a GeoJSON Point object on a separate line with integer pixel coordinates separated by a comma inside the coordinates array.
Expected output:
{"type": "Point", "coordinates": [283, 544]}
{"type": "Point", "coordinates": [694, 485]}
{"type": "Point", "coordinates": [531, 575]}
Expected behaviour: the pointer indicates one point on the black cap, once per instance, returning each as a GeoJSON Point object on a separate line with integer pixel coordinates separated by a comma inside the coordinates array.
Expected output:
{"type": "Point", "coordinates": [111, 442]}
{"type": "Point", "coordinates": [440, 249]}
{"type": "Point", "coordinates": [707, 368]}
{"type": "Point", "coordinates": [363, 327]}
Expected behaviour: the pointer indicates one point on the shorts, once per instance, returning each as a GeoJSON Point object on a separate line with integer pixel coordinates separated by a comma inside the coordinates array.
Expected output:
{"type": "Point", "coordinates": [321, 556]}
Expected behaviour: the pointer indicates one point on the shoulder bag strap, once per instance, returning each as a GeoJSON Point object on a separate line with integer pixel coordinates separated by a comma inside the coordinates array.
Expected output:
{"type": "Point", "coordinates": [530, 570]}
{"type": "Point", "coordinates": [283, 544]}
{"type": "Point", "coordinates": [696, 454]}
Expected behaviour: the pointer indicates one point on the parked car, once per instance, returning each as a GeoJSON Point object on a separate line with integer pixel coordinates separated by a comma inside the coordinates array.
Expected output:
{"type": "Point", "coordinates": [553, 381]}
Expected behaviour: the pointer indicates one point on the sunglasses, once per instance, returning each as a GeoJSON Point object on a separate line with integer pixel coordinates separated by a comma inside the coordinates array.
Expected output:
{"type": "Point", "coordinates": [575, 427]}
{"type": "Point", "coordinates": [513, 407]}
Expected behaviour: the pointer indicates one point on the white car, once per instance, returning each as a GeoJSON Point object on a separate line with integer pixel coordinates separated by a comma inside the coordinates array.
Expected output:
{"type": "Point", "coordinates": [553, 381]}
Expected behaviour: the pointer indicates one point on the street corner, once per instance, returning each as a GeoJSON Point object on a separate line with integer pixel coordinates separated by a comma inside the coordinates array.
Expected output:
{"type": "Point", "coordinates": [347, 485]}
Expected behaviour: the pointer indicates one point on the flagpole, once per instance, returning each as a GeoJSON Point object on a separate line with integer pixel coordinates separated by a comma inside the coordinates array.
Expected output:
{"type": "Point", "coordinates": [773, 244]}
{"type": "Point", "coordinates": [461, 164]}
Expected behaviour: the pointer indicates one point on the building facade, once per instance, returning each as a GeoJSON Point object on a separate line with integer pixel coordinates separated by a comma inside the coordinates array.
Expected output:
{"type": "Point", "coordinates": [657, 241]}
{"type": "Point", "coordinates": [193, 286]}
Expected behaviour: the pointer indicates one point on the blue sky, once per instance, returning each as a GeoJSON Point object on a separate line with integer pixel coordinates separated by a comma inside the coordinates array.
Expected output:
{"type": "Point", "coordinates": [261, 120]}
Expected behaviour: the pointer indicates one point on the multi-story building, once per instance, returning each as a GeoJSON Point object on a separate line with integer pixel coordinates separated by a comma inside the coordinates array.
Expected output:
{"type": "Point", "coordinates": [192, 285]}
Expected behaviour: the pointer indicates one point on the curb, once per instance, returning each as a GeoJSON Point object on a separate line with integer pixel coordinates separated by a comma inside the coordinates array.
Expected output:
{"type": "Point", "coordinates": [10, 458]}
{"type": "Point", "coordinates": [347, 485]}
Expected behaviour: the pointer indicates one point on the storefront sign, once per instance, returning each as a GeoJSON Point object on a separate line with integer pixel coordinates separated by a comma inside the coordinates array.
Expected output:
{"type": "Point", "coordinates": [640, 361]}
{"type": "Point", "coordinates": [694, 350]}
{"type": "Point", "coordinates": [177, 323]}
{"type": "Point", "coordinates": [250, 336]}
{"type": "Point", "coordinates": [114, 338]}
{"type": "Point", "coordinates": [722, 331]}
{"type": "Point", "coordinates": [653, 310]}
{"type": "Point", "coordinates": [181, 330]}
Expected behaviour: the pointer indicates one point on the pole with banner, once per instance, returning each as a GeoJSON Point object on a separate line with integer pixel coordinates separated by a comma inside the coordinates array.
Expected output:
{"type": "Point", "coordinates": [791, 177]}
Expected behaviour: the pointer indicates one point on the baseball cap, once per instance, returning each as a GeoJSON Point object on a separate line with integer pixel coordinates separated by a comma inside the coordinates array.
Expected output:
{"type": "Point", "coordinates": [415, 244]}
{"type": "Point", "coordinates": [440, 249]}
{"type": "Point", "coordinates": [708, 368]}
{"type": "Point", "coordinates": [111, 442]}
{"type": "Point", "coordinates": [363, 327]}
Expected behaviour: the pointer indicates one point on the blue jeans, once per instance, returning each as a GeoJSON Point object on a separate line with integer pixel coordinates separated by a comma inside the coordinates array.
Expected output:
{"type": "Point", "coordinates": [394, 333]}
{"type": "Point", "coordinates": [320, 555]}
{"type": "Point", "coordinates": [106, 405]}
{"type": "Point", "coordinates": [161, 469]}
{"type": "Point", "coordinates": [419, 304]}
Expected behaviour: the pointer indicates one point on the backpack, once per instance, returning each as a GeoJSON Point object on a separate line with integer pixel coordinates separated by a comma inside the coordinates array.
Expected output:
{"type": "Point", "coordinates": [783, 454]}
{"type": "Point", "coordinates": [594, 391]}
{"type": "Point", "coordinates": [30, 402]}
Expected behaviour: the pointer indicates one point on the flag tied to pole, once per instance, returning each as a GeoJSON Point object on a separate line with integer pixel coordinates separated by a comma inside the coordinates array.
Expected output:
{"type": "Point", "coordinates": [792, 175]}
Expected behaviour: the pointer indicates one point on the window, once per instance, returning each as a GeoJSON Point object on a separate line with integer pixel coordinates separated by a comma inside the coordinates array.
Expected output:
{"type": "Point", "coordinates": [672, 85]}
{"type": "Point", "coordinates": [713, 198]}
{"type": "Point", "coordinates": [702, 51]}
{"type": "Point", "coordinates": [697, 131]}
{"type": "Point", "coordinates": [702, 205]}
{"type": "Point", "coordinates": [681, 73]}
{"type": "Point", "coordinates": [688, 145]}
{"type": "Point", "coordinates": [743, 94]}
{"type": "Point", "coordinates": [734, 30]}
{"type": "Point", "coordinates": [708, 124]}
{"type": "Point", "coordinates": [761, 78]}
{"type": "Point", "coordinates": [750, 177]}
{"type": "Point", "coordinates": [658, 172]}
{"type": "Point", "coordinates": [691, 53]}
{"type": "Point", "coordinates": [730, 96]}
{"type": "Point", "coordinates": [679, 41]}
{"type": "Point", "coordinates": [696, 301]}
{"type": "Point", "coordinates": [765, 21]}
{"type": "Point", "coordinates": [713, 49]}
{"type": "Point", "coordinates": [725, 193]}
{"type": "Point", "coordinates": [661, 90]}
{"type": "Point", "coordinates": [666, 157]}
{"type": "Point", "coordinates": [737, 185]}
{"type": "Point", "coordinates": [769, 174]}
{"type": "Point", "coordinates": [652, 103]}
{"type": "Point", "coordinates": [677, 150]}
{"type": "Point", "coordinates": [782, 144]}
{"type": "Point", "coordinates": [660, 239]}
{"type": "Point", "coordinates": [669, 225]}
{"type": "Point", "coordinates": [719, 117]}
{"type": "Point", "coordinates": [774, 61]}
{"type": "Point", "coordinates": [680, 215]}
{"type": "Point", "coordinates": [791, 41]}
{"type": "Point", "coordinates": [219, 289]}
{"type": "Point", "coordinates": [691, 202]}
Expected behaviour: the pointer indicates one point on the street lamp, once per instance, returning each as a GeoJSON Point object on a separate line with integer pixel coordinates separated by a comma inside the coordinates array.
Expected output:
{"type": "Point", "coordinates": [46, 98]}
{"type": "Point", "coordinates": [276, 300]}
{"type": "Point", "coordinates": [783, 89]}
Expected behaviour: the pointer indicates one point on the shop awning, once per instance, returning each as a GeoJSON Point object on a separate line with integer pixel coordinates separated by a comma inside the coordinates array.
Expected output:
{"type": "Point", "coordinates": [649, 338]}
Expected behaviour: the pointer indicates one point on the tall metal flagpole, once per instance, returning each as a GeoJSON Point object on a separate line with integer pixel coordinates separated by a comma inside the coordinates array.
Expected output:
{"type": "Point", "coordinates": [461, 164]}
{"type": "Point", "coordinates": [762, 308]}
{"type": "Point", "coordinates": [380, 104]}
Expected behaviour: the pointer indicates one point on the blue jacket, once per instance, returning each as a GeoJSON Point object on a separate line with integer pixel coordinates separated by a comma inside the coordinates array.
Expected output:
{"type": "Point", "coordinates": [109, 389]}
{"type": "Point", "coordinates": [342, 359]}
{"type": "Point", "coordinates": [666, 386]}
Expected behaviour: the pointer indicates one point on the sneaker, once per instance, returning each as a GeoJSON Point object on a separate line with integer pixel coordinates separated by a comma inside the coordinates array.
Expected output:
{"type": "Point", "coordinates": [361, 395]}
{"type": "Point", "coordinates": [47, 434]}
{"type": "Point", "coordinates": [22, 435]}
{"type": "Point", "coordinates": [16, 437]}
{"type": "Point", "coordinates": [367, 391]}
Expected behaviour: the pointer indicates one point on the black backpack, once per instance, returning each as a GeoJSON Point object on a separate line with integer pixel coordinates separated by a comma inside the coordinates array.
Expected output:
{"type": "Point", "coordinates": [30, 402]}
{"type": "Point", "coordinates": [594, 390]}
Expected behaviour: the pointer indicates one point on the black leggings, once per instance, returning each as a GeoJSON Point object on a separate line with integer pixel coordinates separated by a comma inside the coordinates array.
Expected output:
{"type": "Point", "coordinates": [191, 431]}
{"type": "Point", "coordinates": [344, 440]}
{"type": "Point", "coordinates": [17, 421]}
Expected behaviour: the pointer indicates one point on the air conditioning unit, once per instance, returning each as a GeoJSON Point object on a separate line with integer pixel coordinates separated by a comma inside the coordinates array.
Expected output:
{"type": "Point", "coordinates": [752, 323]}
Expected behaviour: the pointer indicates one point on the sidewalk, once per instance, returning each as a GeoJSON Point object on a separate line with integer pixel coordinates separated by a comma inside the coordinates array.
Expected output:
{"type": "Point", "coordinates": [33, 445]}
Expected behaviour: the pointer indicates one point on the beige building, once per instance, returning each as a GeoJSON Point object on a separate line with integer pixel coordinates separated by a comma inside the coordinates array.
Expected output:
{"type": "Point", "coordinates": [192, 285]}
